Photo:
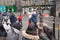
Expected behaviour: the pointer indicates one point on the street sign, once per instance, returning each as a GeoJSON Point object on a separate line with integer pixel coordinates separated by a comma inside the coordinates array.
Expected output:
{"type": "Point", "coordinates": [11, 8]}
{"type": "Point", "coordinates": [14, 9]}
{"type": "Point", "coordinates": [2, 8]}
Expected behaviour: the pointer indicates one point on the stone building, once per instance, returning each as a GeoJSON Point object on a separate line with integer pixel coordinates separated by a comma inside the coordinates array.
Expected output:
{"type": "Point", "coordinates": [7, 2]}
{"type": "Point", "coordinates": [24, 2]}
{"type": "Point", "coordinates": [36, 2]}
{"type": "Point", "coordinates": [32, 2]}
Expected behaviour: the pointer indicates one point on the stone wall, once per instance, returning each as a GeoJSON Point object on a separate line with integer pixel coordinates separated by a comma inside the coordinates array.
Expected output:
{"type": "Point", "coordinates": [7, 2]}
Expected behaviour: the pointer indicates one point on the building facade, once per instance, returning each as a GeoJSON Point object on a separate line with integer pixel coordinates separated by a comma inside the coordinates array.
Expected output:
{"type": "Point", "coordinates": [24, 2]}
{"type": "Point", "coordinates": [32, 2]}
{"type": "Point", "coordinates": [7, 2]}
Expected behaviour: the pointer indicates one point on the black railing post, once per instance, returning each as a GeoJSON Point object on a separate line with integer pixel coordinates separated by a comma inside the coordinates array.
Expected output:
{"type": "Point", "coordinates": [54, 15]}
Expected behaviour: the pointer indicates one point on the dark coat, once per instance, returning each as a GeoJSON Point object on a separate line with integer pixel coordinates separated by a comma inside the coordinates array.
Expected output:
{"type": "Point", "coordinates": [12, 18]}
{"type": "Point", "coordinates": [34, 18]}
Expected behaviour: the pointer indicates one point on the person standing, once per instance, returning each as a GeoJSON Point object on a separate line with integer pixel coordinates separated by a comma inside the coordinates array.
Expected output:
{"type": "Point", "coordinates": [13, 19]}
{"type": "Point", "coordinates": [34, 19]}
{"type": "Point", "coordinates": [20, 18]}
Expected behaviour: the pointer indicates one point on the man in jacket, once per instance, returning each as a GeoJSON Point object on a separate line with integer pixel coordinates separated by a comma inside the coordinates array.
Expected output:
{"type": "Point", "coordinates": [12, 18]}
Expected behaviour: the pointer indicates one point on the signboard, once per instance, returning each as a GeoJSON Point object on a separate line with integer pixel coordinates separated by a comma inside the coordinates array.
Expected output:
{"type": "Point", "coordinates": [2, 8]}
{"type": "Point", "coordinates": [11, 8]}
{"type": "Point", "coordinates": [14, 9]}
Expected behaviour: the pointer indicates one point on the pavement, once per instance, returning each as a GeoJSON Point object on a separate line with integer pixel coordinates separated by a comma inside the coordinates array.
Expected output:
{"type": "Point", "coordinates": [49, 21]}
